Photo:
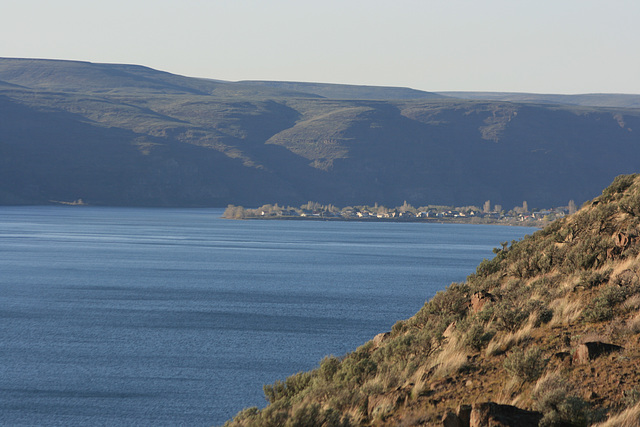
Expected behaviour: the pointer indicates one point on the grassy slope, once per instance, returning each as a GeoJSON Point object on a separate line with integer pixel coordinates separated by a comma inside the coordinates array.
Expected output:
{"type": "Point", "coordinates": [348, 92]}
{"type": "Point", "coordinates": [566, 284]}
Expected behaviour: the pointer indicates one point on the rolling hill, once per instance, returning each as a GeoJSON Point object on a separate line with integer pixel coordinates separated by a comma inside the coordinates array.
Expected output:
{"type": "Point", "coordinates": [113, 134]}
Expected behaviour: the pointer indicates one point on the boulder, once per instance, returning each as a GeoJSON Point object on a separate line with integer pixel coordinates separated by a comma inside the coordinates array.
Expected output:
{"type": "Point", "coordinates": [479, 299]}
{"type": "Point", "coordinates": [450, 330]}
{"type": "Point", "coordinates": [491, 414]}
{"type": "Point", "coordinates": [380, 338]}
{"type": "Point", "coordinates": [451, 420]}
{"type": "Point", "coordinates": [464, 414]}
{"type": "Point", "coordinates": [592, 350]}
{"type": "Point", "coordinates": [621, 239]}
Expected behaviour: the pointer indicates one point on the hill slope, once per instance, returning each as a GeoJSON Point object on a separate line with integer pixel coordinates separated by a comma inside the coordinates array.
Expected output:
{"type": "Point", "coordinates": [588, 100]}
{"type": "Point", "coordinates": [350, 92]}
{"type": "Point", "coordinates": [128, 135]}
{"type": "Point", "coordinates": [550, 325]}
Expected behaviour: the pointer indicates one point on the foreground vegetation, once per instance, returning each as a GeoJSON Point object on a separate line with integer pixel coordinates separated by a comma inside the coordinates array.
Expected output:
{"type": "Point", "coordinates": [549, 325]}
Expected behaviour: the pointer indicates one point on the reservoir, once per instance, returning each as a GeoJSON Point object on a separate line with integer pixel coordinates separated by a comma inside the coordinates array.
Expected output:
{"type": "Point", "coordinates": [128, 316]}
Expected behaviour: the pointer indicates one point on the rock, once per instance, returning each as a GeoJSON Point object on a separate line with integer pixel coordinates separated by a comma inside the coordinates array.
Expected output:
{"type": "Point", "coordinates": [378, 339]}
{"type": "Point", "coordinates": [564, 357]}
{"type": "Point", "coordinates": [451, 420]}
{"type": "Point", "coordinates": [491, 414]}
{"type": "Point", "coordinates": [592, 350]}
{"type": "Point", "coordinates": [464, 414]}
{"type": "Point", "coordinates": [479, 299]}
{"type": "Point", "coordinates": [626, 278]}
{"type": "Point", "coordinates": [621, 239]}
{"type": "Point", "coordinates": [450, 330]}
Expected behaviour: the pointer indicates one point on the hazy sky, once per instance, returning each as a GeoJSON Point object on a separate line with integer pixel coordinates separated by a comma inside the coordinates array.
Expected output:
{"type": "Point", "coordinates": [544, 46]}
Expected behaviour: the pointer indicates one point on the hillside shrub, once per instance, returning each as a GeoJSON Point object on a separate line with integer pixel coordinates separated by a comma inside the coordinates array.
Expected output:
{"type": "Point", "coordinates": [559, 405]}
{"type": "Point", "coordinates": [477, 337]}
{"type": "Point", "coordinates": [328, 367]}
{"type": "Point", "coordinates": [525, 366]}
{"type": "Point", "coordinates": [446, 306]}
{"type": "Point", "coordinates": [355, 370]}
{"type": "Point", "coordinates": [312, 415]}
{"type": "Point", "coordinates": [488, 267]}
{"type": "Point", "coordinates": [602, 306]}
{"type": "Point", "coordinates": [590, 279]}
{"type": "Point", "coordinates": [619, 185]}
{"type": "Point", "coordinates": [288, 388]}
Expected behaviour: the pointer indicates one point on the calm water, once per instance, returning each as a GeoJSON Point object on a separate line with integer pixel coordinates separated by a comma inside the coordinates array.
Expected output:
{"type": "Point", "coordinates": [113, 316]}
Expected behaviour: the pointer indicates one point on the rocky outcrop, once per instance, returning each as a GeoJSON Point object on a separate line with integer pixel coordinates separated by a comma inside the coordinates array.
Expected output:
{"type": "Point", "coordinates": [592, 350]}
{"type": "Point", "coordinates": [380, 338]}
{"type": "Point", "coordinates": [479, 299]}
{"type": "Point", "coordinates": [621, 239]}
{"type": "Point", "coordinates": [490, 414]}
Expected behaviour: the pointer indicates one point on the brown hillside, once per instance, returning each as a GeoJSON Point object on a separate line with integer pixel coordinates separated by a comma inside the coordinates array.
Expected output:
{"type": "Point", "coordinates": [550, 325]}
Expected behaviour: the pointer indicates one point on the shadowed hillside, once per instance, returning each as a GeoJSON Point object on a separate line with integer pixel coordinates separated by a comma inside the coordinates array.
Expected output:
{"type": "Point", "coordinates": [129, 135]}
{"type": "Point", "coordinates": [546, 333]}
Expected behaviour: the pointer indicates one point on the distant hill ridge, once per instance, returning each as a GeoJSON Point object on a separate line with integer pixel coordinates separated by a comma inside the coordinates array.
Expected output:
{"type": "Point", "coordinates": [349, 92]}
{"type": "Point", "coordinates": [589, 99]}
{"type": "Point", "coordinates": [113, 134]}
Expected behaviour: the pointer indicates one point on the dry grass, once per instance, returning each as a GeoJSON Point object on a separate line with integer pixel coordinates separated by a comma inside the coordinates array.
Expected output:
{"type": "Point", "coordinates": [565, 312]}
{"type": "Point", "coordinates": [420, 381]}
{"type": "Point", "coordinates": [632, 303]}
{"type": "Point", "coordinates": [633, 325]}
{"type": "Point", "coordinates": [452, 358]}
{"type": "Point", "coordinates": [628, 418]}
{"type": "Point", "coordinates": [502, 343]}
{"type": "Point", "coordinates": [624, 265]}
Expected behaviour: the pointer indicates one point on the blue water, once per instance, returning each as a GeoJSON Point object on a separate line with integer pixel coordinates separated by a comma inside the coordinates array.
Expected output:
{"type": "Point", "coordinates": [118, 316]}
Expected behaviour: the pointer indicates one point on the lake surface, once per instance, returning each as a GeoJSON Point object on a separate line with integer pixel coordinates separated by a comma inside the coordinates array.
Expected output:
{"type": "Point", "coordinates": [118, 316]}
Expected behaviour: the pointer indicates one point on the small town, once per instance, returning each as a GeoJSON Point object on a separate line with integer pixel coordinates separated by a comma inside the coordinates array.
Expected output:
{"type": "Point", "coordinates": [488, 214]}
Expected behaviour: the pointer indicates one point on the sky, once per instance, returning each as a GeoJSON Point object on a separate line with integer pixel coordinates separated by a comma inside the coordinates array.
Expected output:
{"type": "Point", "coordinates": [539, 46]}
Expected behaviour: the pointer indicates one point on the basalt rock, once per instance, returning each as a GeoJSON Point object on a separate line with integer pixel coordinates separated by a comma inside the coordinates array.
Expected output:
{"type": "Point", "coordinates": [621, 239]}
{"type": "Point", "coordinates": [491, 414]}
{"type": "Point", "coordinates": [479, 299]}
{"type": "Point", "coordinates": [592, 350]}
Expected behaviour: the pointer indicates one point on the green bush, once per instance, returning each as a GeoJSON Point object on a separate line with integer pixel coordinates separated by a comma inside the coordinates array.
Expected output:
{"type": "Point", "coordinates": [511, 317]}
{"type": "Point", "coordinates": [602, 306]}
{"type": "Point", "coordinates": [477, 337]}
{"type": "Point", "coordinates": [356, 368]}
{"type": "Point", "coordinates": [619, 185]}
{"type": "Point", "coordinates": [560, 406]}
{"type": "Point", "coordinates": [328, 367]}
{"type": "Point", "coordinates": [287, 389]}
{"type": "Point", "coordinates": [525, 366]}
{"type": "Point", "coordinates": [592, 279]}
{"type": "Point", "coordinates": [312, 415]}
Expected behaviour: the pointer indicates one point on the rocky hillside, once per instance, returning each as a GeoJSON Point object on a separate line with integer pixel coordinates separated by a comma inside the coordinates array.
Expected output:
{"type": "Point", "coordinates": [545, 333]}
{"type": "Point", "coordinates": [113, 134]}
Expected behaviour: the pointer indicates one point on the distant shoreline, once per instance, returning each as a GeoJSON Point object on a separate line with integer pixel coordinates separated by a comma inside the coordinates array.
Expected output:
{"type": "Point", "coordinates": [432, 214]}
{"type": "Point", "coordinates": [474, 221]}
